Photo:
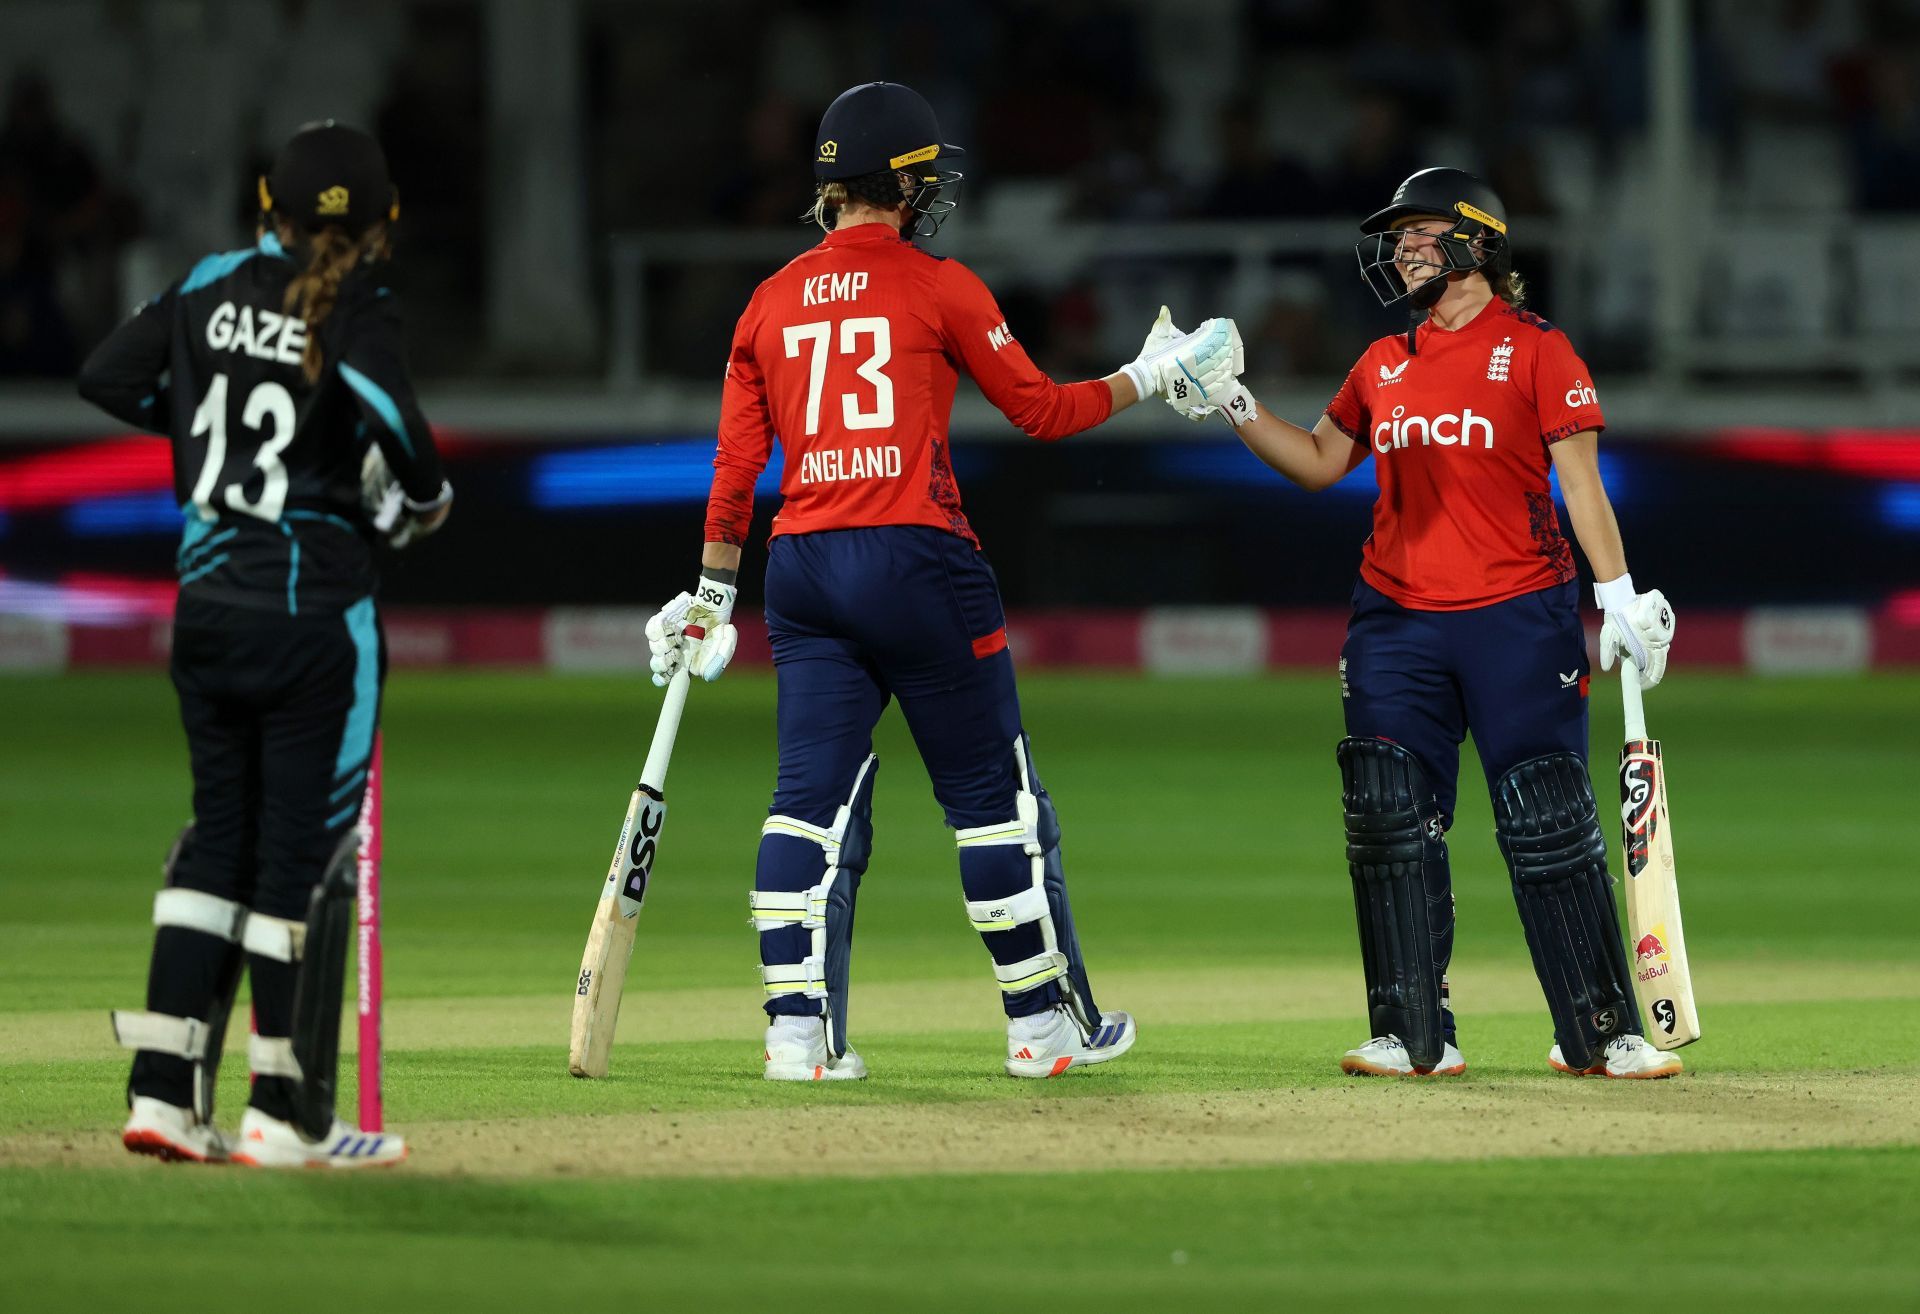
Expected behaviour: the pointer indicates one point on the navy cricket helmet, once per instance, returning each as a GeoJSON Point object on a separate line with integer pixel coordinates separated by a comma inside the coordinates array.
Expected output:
{"type": "Point", "coordinates": [876, 130]}
{"type": "Point", "coordinates": [1476, 240]}
{"type": "Point", "coordinates": [329, 173]}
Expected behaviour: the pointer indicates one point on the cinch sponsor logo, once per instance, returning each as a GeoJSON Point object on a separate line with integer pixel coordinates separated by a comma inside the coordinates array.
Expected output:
{"type": "Point", "coordinates": [822, 288]}
{"type": "Point", "coordinates": [1582, 394]}
{"type": "Point", "coordinates": [260, 334]}
{"type": "Point", "coordinates": [999, 335]}
{"type": "Point", "coordinates": [1446, 430]}
{"type": "Point", "coordinates": [857, 463]}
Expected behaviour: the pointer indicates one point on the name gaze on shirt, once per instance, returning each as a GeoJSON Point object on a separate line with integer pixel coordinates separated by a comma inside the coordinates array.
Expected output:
{"type": "Point", "coordinates": [855, 463]}
{"type": "Point", "coordinates": [229, 329]}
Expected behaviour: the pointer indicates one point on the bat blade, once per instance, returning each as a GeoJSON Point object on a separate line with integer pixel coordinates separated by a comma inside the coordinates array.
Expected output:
{"type": "Point", "coordinates": [603, 968]}
{"type": "Point", "coordinates": [1662, 977]}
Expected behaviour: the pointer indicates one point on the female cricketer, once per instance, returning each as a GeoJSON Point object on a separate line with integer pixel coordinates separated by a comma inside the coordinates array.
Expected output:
{"type": "Point", "coordinates": [876, 587]}
{"type": "Point", "coordinates": [271, 369]}
{"type": "Point", "coordinates": [1466, 617]}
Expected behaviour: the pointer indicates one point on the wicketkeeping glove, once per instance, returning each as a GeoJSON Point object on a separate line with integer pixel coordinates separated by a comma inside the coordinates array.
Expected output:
{"type": "Point", "coordinates": [395, 516]}
{"type": "Point", "coordinates": [695, 630]}
{"type": "Point", "coordinates": [1639, 625]}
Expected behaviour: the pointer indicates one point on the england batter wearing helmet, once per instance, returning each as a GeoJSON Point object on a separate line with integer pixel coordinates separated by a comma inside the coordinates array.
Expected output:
{"type": "Point", "coordinates": [876, 587]}
{"type": "Point", "coordinates": [279, 375]}
{"type": "Point", "coordinates": [1466, 617]}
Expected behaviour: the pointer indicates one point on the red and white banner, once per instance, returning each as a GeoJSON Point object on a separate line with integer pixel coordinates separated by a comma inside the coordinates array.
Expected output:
{"type": "Point", "coordinates": [1169, 641]}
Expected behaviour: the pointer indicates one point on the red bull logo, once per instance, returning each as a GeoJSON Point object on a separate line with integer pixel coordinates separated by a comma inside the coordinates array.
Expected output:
{"type": "Point", "coordinates": [1649, 947]}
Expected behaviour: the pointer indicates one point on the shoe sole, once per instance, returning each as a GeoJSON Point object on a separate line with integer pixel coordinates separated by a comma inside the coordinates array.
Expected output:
{"type": "Point", "coordinates": [1673, 1069]}
{"type": "Point", "coordinates": [1357, 1067]}
{"type": "Point", "coordinates": [815, 1072]}
{"type": "Point", "coordinates": [155, 1145]}
{"type": "Point", "coordinates": [1041, 1069]}
{"type": "Point", "coordinates": [249, 1161]}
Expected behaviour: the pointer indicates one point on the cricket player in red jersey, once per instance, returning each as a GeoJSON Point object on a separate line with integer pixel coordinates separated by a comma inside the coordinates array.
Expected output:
{"type": "Point", "coordinates": [876, 587]}
{"type": "Point", "coordinates": [1466, 617]}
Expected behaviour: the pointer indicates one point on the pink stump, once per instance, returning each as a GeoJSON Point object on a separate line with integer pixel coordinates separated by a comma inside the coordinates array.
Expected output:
{"type": "Point", "coordinates": [368, 955]}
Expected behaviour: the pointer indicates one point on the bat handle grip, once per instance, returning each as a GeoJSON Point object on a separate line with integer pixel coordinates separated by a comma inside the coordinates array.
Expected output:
{"type": "Point", "coordinates": [1630, 698]}
{"type": "Point", "coordinates": [654, 773]}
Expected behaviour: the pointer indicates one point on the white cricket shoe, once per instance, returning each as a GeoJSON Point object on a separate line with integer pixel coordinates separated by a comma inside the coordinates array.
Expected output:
{"type": "Point", "coordinates": [1047, 1044]}
{"type": "Point", "coordinates": [267, 1142]}
{"type": "Point", "coordinates": [797, 1051]}
{"type": "Point", "coordinates": [169, 1132]}
{"type": "Point", "coordinates": [1626, 1058]}
{"type": "Point", "coordinates": [1386, 1056]}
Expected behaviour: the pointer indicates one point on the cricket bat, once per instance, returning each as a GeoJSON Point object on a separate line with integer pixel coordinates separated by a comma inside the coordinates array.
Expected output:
{"type": "Point", "coordinates": [603, 970]}
{"type": "Point", "coordinates": [1662, 980]}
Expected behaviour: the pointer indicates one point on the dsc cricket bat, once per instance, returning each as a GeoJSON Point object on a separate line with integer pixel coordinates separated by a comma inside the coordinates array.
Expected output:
{"type": "Point", "coordinates": [1662, 981]}
{"type": "Point", "coordinates": [603, 971]}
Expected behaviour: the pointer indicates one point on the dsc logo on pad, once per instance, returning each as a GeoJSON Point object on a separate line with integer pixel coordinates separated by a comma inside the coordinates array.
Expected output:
{"type": "Point", "coordinates": [1445, 430]}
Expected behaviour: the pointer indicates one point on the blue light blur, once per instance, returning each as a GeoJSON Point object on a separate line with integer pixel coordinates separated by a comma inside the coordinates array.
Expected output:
{"type": "Point", "coordinates": [1900, 506]}
{"type": "Point", "coordinates": [1230, 464]}
{"type": "Point", "coordinates": [636, 474]}
{"type": "Point", "coordinates": [153, 512]}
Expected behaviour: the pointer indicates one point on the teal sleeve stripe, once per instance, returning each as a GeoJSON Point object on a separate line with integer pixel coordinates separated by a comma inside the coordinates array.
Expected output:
{"type": "Point", "coordinates": [344, 814]}
{"type": "Point", "coordinates": [215, 267]}
{"type": "Point", "coordinates": [356, 740]}
{"type": "Point", "coordinates": [377, 397]}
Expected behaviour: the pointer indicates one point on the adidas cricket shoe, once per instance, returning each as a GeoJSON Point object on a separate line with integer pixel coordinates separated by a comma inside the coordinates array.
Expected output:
{"type": "Point", "coordinates": [1626, 1058]}
{"type": "Point", "coordinates": [1047, 1044]}
{"type": "Point", "coordinates": [797, 1051]}
{"type": "Point", "coordinates": [1386, 1056]}
{"type": "Point", "coordinates": [169, 1132]}
{"type": "Point", "coordinates": [267, 1142]}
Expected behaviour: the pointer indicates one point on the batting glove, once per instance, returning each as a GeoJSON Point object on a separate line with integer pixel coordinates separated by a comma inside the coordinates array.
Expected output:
{"type": "Point", "coordinates": [1638, 626]}
{"type": "Point", "coordinates": [695, 630]}
{"type": "Point", "coordinates": [1186, 368]}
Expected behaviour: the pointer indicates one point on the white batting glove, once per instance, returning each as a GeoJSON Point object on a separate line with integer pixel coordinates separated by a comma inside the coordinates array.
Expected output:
{"type": "Point", "coordinates": [1185, 368]}
{"type": "Point", "coordinates": [1638, 625]}
{"type": "Point", "coordinates": [695, 630]}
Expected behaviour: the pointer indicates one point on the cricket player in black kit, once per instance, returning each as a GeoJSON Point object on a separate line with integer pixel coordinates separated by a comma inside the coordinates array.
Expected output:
{"type": "Point", "coordinates": [278, 373]}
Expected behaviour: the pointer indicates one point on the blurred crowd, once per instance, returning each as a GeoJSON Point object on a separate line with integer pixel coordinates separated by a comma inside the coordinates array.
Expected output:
{"type": "Point", "coordinates": [701, 115]}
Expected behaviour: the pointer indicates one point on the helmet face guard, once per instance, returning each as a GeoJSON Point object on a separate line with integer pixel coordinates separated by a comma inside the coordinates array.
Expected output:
{"type": "Point", "coordinates": [933, 199]}
{"type": "Point", "coordinates": [1462, 249]}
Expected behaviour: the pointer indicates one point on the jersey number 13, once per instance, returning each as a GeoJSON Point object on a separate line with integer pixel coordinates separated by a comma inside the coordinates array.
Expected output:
{"type": "Point", "coordinates": [268, 404]}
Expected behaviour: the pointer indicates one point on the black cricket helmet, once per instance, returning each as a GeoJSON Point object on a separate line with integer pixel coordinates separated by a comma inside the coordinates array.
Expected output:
{"type": "Point", "coordinates": [882, 128]}
{"type": "Point", "coordinates": [1476, 240]}
{"type": "Point", "coordinates": [329, 173]}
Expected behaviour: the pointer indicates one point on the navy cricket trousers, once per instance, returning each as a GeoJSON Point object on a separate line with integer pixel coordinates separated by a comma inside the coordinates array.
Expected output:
{"type": "Point", "coordinates": [1515, 674]}
{"type": "Point", "coordinates": [859, 616]}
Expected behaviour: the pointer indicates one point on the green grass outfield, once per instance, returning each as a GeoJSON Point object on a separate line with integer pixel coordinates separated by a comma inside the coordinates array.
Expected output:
{"type": "Point", "coordinates": [1224, 1161]}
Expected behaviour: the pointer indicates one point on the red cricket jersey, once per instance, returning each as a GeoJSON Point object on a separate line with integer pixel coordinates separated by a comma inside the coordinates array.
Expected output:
{"type": "Point", "coordinates": [850, 354]}
{"type": "Point", "coordinates": [1459, 432]}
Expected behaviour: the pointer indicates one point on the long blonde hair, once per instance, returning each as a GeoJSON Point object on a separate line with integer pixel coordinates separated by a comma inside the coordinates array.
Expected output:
{"type": "Point", "coordinates": [332, 253]}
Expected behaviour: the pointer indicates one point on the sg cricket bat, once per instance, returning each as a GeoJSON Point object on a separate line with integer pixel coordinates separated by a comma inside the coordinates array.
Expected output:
{"type": "Point", "coordinates": [1662, 980]}
{"type": "Point", "coordinates": [603, 970]}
